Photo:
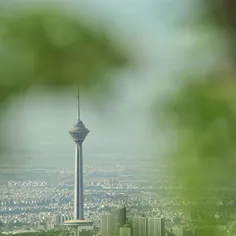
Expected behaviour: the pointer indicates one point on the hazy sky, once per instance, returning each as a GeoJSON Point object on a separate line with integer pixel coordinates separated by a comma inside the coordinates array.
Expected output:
{"type": "Point", "coordinates": [122, 126]}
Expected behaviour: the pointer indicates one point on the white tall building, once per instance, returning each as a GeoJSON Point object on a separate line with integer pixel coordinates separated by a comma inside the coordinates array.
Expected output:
{"type": "Point", "coordinates": [125, 230]}
{"type": "Point", "coordinates": [118, 219]}
{"type": "Point", "coordinates": [110, 223]}
{"type": "Point", "coordinates": [155, 227]}
{"type": "Point", "coordinates": [105, 224]}
{"type": "Point", "coordinates": [178, 231]}
{"type": "Point", "coordinates": [139, 226]}
{"type": "Point", "coordinates": [56, 219]}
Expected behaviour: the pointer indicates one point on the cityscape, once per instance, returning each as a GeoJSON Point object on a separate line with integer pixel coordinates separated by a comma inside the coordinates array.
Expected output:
{"type": "Point", "coordinates": [125, 199]}
{"type": "Point", "coordinates": [45, 202]}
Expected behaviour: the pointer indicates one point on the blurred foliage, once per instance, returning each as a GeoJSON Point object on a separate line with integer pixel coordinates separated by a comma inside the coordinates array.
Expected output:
{"type": "Point", "coordinates": [222, 13]}
{"type": "Point", "coordinates": [201, 118]}
{"type": "Point", "coordinates": [203, 115]}
{"type": "Point", "coordinates": [47, 45]}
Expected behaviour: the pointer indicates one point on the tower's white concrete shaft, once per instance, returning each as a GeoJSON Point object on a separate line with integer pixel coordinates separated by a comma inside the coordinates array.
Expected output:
{"type": "Point", "coordinates": [79, 133]}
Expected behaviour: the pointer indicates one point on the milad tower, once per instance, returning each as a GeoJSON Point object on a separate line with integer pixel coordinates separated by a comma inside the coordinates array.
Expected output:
{"type": "Point", "coordinates": [79, 133]}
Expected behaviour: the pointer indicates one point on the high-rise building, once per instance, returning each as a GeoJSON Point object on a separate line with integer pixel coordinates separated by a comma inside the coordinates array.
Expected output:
{"type": "Point", "coordinates": [50, 226]}
{"type": "Point", "coordinates": [62, 218]}
{"type": "Point", "coordinates": [189, 232]}
{"type": "Point", "coordinates": [118, 219]}
{"type": "Point", "coordinates": [56, 219]}
{"type": "Point", "coordinates": [139, 226]}
{"type": "Point", "coordinates": [178, 231]}
{"type": "Point", "coordinates": [110, 223]}
{"type": "Point", "coordinates": [79, 133]}
{"type": "Point", "coordinates": [155, 227]}
{"type": "Point", "coordinates": [105, 224]}
{"type": "Point", "coordinates": [125, 230]}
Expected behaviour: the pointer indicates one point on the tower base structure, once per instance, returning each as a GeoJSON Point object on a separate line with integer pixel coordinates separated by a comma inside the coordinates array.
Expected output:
{"type": "Point", "coordinates": [79, 224]}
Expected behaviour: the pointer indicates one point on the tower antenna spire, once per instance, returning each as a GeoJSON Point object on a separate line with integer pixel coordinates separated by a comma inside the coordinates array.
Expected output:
{"type": "Point", "coordinates": [78, 111]}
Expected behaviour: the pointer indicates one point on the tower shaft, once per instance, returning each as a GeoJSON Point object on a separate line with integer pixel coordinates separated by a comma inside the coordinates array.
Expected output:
{"type": "Point", "coordinates": [79, 188]}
